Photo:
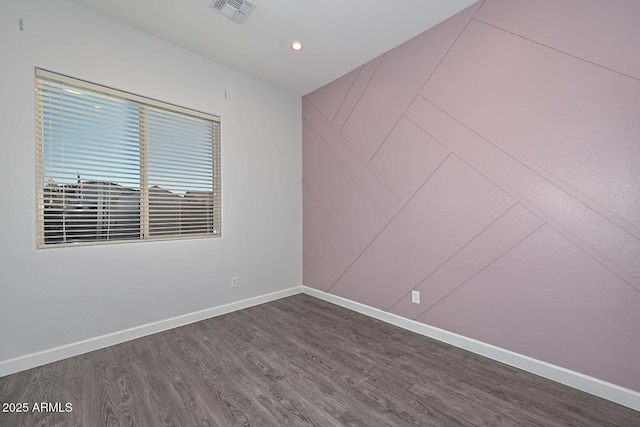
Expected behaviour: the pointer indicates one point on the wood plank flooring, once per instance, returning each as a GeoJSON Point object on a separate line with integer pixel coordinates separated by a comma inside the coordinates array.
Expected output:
{"type": "Point", "coordinates": [297, 361]}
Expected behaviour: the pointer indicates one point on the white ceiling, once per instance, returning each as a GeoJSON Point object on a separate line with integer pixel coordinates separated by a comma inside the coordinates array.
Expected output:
{"type": "Point", "coordinates": [338, 35]}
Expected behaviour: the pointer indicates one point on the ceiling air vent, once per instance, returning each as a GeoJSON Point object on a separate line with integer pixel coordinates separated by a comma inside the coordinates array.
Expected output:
{"type": "Point", "coordinates": [236, 10]}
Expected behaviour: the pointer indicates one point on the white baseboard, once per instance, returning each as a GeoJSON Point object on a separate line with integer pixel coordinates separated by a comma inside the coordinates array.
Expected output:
{"type": "Point", "coordinates": [603, 389]}
{"type": "Point", "coordinates": [40, 358]}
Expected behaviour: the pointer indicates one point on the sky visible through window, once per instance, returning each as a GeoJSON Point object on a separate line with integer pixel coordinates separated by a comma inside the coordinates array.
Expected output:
{"type": "Point", "coordinates": [90, 136]}
{"type": "Point", "coordinates": [101, 144]}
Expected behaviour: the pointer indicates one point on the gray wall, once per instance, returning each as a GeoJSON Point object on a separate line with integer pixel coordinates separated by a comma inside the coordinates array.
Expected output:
{"type": "Point", "coordinates": [53, 297]}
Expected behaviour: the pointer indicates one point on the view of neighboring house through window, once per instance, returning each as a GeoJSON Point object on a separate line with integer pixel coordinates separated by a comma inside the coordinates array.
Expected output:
{"type": "Point", "coordinates": [116, 167]}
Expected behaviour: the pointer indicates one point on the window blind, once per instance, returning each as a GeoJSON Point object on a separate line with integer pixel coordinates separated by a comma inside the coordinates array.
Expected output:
{"type": "Point", "coordinates": [116, 167]}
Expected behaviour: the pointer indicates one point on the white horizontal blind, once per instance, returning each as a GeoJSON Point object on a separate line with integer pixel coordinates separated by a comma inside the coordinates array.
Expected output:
{"type": "Point", "coordinates": [113, 168]}
{"type": "Point", "coordinates": [181, 174]}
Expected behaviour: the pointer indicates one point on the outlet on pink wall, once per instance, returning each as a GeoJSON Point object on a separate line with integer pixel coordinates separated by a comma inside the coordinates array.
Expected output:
{"type": "Point", "coordinates": [493, 164]}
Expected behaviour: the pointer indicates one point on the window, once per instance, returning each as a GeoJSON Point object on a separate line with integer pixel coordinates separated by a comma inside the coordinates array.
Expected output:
{"type": "Point", "coordinates": [116, 167]}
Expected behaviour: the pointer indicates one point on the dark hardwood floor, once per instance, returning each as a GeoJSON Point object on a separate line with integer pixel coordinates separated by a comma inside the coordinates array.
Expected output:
{"type": "Point", "coordinates": [297, 361]}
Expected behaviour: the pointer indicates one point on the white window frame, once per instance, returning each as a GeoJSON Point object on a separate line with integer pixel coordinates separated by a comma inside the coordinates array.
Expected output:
{"type": "Point", "coordinates": [144, 103]}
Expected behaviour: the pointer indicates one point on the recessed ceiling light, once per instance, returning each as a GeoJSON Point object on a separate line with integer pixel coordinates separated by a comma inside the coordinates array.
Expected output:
{"type": "Point", "coordinates": [296, 45]}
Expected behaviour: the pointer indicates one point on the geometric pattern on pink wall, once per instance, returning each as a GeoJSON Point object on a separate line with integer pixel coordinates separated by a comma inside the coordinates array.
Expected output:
{"type": "Point", "coordinates": [493, 164]}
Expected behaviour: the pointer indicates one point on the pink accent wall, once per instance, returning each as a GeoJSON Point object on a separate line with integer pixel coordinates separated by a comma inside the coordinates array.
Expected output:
{"type": "Point", "coordinates": [493, 164]}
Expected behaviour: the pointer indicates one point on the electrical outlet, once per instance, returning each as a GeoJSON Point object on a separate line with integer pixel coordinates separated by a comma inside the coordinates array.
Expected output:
{"type": "Point", "coordinates": [234, 282]}
{"type": "Point", "coordinates": [415, 297]}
